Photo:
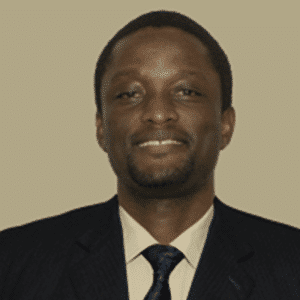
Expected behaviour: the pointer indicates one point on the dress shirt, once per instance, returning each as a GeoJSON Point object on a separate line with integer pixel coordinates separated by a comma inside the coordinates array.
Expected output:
{"type": "Point", "coordinates": [139, 271]}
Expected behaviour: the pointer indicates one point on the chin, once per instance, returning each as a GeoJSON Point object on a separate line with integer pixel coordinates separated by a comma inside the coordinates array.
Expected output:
{"type": "Point", "coordinates": [159, 181]}
{"type": "Point", "coordinates": [168, 178]}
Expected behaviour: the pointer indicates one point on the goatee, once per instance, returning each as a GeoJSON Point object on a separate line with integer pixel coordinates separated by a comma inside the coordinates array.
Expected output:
{"type": "Point", "coordinates": [165, 177]}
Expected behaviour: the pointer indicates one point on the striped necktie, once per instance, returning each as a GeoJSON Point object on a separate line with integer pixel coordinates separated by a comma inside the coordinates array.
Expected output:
{"type": "Point", "coordinates": [163, 260]}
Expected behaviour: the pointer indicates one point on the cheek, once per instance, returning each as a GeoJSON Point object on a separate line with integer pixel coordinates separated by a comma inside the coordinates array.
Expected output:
{"type": "Point", "coordinates": [211, 141]}
{"type": "Point", "coordinates": [118, 129]}
{"type": "Point", "coordinates": [205, 130]}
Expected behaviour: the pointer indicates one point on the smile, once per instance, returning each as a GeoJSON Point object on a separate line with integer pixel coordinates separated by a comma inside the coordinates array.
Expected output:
{"type": "Point", "coordinates": [159, 143]}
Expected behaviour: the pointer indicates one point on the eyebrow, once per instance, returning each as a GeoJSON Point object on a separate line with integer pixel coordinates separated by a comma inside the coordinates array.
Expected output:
{"type": "Point", "coordinates": [122, 73]}
{"type": "Point", "coordinates": [182, 74]}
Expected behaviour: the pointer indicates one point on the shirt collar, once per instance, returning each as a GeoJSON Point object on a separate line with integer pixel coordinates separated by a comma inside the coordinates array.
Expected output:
{"type": "Point", "coordinates": [190, 242]}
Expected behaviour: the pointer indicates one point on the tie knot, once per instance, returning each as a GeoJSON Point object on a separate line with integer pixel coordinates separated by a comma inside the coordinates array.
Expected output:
{"type": "Point", "coordinates": [163, 259]}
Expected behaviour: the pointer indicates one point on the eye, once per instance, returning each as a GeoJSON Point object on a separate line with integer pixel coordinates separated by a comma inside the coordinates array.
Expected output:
{"type": "Point", "coordinates": [189, 92]}
{"type": "Point", "coordinates": [132, 95]}
{"type": "Point", "coordinates": [127, 95]}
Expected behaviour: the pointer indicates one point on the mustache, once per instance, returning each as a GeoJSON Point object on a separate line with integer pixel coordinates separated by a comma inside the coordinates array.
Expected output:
{"type": "Point", "coordinates": [160, 135]}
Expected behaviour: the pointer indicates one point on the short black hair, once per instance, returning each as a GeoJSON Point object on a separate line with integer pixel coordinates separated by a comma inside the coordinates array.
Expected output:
{"type": "Point", "coordinates": [164, 18]}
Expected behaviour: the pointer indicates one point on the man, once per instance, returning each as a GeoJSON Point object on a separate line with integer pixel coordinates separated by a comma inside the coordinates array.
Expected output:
{"type": "Point", "coordinates": [163, 95]}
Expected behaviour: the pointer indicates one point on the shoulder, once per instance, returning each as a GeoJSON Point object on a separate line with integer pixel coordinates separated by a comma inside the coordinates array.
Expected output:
{"type": "Point", "coordinates": [55, 229]}
{"type": "Point", "coordinates": [42, 248]}
{"type": "Point", "coordinates": [266, 235]}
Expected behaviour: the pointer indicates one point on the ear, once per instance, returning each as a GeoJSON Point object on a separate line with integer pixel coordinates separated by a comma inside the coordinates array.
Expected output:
{"type": "Point", "coordinates": [100, 132]}
{"type": "Point", "coordinates": [228, 123]}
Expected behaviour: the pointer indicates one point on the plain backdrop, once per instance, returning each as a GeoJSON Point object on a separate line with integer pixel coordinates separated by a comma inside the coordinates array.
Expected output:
{"type": "Point", "coordinates": [50, 160]}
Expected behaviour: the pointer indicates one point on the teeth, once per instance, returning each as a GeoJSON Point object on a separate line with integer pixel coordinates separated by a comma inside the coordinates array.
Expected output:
{"type": "Point", "coordinates": [158, 143]}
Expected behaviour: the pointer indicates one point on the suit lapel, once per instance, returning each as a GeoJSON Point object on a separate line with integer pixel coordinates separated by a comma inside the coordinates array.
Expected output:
{"type": "Point", "coordinates": [99, 270]}
{"type": "Point", "coordinates": [220, 273]}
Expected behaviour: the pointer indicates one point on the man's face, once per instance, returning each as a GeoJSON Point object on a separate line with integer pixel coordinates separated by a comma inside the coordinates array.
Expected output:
{"type": "Point", "coordinates": [162, 125]}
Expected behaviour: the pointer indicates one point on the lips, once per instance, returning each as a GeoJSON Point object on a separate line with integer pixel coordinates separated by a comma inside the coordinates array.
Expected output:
{"type": "Point", "coordinates": [159, 137]}
{"type": "Point", "coordinates": [159, 143]}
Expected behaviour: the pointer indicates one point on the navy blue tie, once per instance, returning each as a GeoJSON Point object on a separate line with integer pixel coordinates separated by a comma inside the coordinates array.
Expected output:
{"type": "Point", "coordinates": [163, 260]}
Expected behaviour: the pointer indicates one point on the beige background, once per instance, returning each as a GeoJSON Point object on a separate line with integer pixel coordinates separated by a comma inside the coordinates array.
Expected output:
{"type": "Point", "coordinates": [50, 161]}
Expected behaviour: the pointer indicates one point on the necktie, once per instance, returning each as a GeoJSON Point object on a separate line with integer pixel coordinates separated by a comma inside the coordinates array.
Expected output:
{"type": "Point", "coordinates": [163, 260]}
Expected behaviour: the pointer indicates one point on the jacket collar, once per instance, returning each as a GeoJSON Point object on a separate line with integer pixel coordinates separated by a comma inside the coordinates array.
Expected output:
{"type": "Point", "coordinates": [221, 273]}
{"type": "Point", "coordinates": [98, 267]}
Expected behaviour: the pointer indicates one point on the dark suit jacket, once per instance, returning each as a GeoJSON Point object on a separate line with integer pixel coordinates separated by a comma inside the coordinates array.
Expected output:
{"type": "Point", "coordinates": [79, 255]}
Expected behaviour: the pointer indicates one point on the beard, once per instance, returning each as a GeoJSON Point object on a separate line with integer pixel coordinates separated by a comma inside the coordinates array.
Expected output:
{"type": "Point", "coordinates": [176, 178]}
{"type": "Point", "coordinates": [164, 177]}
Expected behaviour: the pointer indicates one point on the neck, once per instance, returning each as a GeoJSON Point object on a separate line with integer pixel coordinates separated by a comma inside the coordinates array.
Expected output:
{"type": "Point", "coordinates": [165, 219]}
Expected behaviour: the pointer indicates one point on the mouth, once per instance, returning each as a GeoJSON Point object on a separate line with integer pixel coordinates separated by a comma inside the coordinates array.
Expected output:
{"type": "Point", "coordinates": [159, 143]}
{"type": "Point", "coordinates": [161, 148]}
{"type": "Point", "coordinates": [160, 138]}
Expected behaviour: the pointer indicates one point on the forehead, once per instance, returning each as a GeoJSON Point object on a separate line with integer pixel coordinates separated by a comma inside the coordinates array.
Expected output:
{"type": "Point", "coordinates": [147, 42]}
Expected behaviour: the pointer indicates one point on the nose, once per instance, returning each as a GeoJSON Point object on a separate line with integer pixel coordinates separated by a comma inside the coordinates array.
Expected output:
{"type": "Point", "coordinates": [159, 110]}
